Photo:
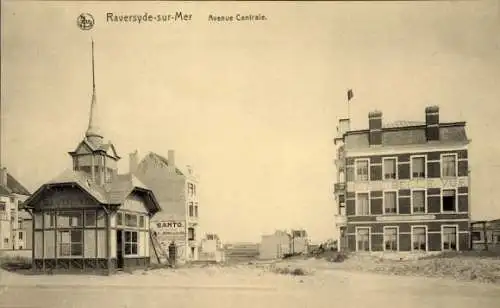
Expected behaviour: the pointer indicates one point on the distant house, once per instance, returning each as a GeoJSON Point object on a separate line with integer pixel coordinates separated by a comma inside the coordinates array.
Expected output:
{"type": "Point", "coordinates": [275, 246]}
{"type": "Point", "coordinates": [211, 248]}
{"type": "Point", "coordinates": [300, 242]}
{"type": "Point", "coordinates": [15, 233]}
{"type": "Point", "coordinates": [485, 235]}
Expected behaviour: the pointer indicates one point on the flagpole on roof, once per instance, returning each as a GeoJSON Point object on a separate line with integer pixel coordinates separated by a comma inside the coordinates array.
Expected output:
{"type": "Point", "coordinates": [350, 95]}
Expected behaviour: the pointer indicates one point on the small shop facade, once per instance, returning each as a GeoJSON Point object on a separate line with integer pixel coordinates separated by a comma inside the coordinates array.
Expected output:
{"type": "Point", "coordinates": [77, 227]}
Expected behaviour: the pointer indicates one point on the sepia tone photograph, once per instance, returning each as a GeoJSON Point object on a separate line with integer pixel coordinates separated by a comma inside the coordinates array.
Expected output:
{"type": "Point", "coordinates": [249, 154]}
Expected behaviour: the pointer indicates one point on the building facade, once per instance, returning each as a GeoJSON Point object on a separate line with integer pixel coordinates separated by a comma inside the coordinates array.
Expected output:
{"type": "Point", "coordinates": [176, 227]}
{"type": "Point", "coordinates": [14, 233]}
{"type": "Point", "coordinates": [211, 248]}
{"type": "Point", "coordinates": [90, 218]}
{"type": "Point", "coordinates": [275, 246]}
{"type": "Point", "coordinates": [403, 186]}
{"type": "Point", "coordinates": [485, 235]}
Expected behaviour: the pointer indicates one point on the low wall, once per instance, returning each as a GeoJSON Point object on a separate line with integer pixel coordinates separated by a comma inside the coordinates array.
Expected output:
{"type": "Point", "coordinates": [25, 253]}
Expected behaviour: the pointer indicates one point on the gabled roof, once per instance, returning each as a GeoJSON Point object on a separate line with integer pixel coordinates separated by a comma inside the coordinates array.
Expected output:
{"type": "Point", "coordinates": [113, 193]}
{"type": "Point", "coordinates": [164, 161]}
{"type": "Point", "coordinates": [108, 148]}
{"type": "Point", "coordinates": [13, 187]}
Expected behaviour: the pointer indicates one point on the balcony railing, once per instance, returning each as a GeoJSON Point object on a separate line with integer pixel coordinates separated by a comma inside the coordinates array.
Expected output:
{"type": "Point", "coordinates": [339, 187]}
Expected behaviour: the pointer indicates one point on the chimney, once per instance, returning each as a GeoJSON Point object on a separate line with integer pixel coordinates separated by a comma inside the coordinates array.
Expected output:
{"type": "Point", "coordinates": [133, 162]}
{"type": "Point", "coordinates": [171, 158]}
{"type": "Point", "coordinates": [432, 123]}
{"type": "Point", "coordinates": [3, 176]}
{"type": "Point", "coordinates": [375, 126]}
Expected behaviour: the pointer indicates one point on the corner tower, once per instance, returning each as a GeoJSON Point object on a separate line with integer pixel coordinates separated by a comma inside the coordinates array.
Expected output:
{"type": "Point", "coordinates": [92, 155]}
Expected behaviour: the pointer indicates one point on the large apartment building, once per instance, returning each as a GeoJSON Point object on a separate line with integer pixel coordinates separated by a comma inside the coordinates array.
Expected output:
{"type": "Point", "coordinates": [176, 227]}
{"type": "Point", "coordinates": [403, 186]}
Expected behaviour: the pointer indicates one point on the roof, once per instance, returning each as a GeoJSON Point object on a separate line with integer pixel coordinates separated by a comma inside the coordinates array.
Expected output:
{"type": "Point", "coordinates": [402, 123]}
{"type": "Point", "coordinates": [13, 187]}
{"type": "Point", "coordinates": [113, 193]}
{"type": "Point", "coordinates": [165, 161]}
{"type": "Point", "coordinates": [105, 147]}
{"type": "Point", "coordinates": [408, 133]}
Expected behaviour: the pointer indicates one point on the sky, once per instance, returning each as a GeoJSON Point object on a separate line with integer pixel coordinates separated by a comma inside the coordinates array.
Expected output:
{"type": "Point", "coordinates": [252, 106]}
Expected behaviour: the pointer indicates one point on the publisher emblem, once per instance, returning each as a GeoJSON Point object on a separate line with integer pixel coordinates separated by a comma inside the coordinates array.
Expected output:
{"type": "Point", "coordinates": [85, 21]}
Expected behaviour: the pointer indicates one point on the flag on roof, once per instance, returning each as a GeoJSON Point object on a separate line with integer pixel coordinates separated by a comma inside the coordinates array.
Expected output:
{"type": "Point", "coordinates": [350, 94]}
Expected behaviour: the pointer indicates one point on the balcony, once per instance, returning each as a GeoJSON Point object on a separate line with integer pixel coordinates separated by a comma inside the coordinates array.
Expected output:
{"type": "Point", "coordinates": [340, 220]}
{"type": "Point", "coordinates": [339, 187]}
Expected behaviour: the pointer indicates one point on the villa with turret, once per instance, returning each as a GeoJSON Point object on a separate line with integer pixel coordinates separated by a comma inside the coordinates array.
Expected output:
{"type": "Point", "coordinates": [90, 218]}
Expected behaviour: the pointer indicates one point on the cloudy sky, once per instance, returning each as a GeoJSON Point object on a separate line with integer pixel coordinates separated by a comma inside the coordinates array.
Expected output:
{"type": "Point", "coordinates": [251, 105]}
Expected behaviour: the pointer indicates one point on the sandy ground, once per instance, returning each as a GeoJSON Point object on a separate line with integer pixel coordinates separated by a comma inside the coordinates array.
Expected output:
{"type": "Point", "coordinates": [243, 286]}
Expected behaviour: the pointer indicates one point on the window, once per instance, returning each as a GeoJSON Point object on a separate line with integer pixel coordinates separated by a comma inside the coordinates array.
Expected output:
{"type": "Point", "coordinates": [6, 241]}
{"type": "Point", "coordinates": [131, 220]}
{"type": "Point", "coordinates": [141, 221]}
{"type": "Point", "coordinates": [391, 238]}
{"type": "Point", "coordinates": [362, 170]}
{"type": "Point", "coordinates": [196, 209]}
{"type": "Point", "coordinates": [418, 167]}
{"type": "Point", "coordinates": [418, 201]}
{"type": "Point", "coordinates": [20, 235]}
{"type": "Point", "coordinates": [191, 234]}
{"type": "Point", "coordinates": [419, 238]}
{"type": "Point", "coordinates": [449, 165]}
{"type": "Point", "coordinates": [449, 200]}
{"type": "Point", "coordinates": [390, 202]}
{"type": "Point", "coordinates": [191, 209]}
{"type": "Point", "coordinates": [2, 206]}
{"type": "Point", "coordinates": [69, 219]}
{"type": "Point", "coordinates": [390, 168]}
{"type": "Point", "coordinates": [363, 239]}
{"type": "Point", "coordinates": [119, 219]}
{"type": "Point", "coordinates": [130, 243]}
{"type": "Point", "coordinates": [450, 238]}
{"type": "Point", "coordinates": [70, 243]}
{"type": "Point", "coordinates": [362, 204]}
{"type": "Point", "coordinates": [90, 219]}
{"type": "Point", "coordinates": [476, 236]}
{"type": "Point", "coordinates": [190, 189]}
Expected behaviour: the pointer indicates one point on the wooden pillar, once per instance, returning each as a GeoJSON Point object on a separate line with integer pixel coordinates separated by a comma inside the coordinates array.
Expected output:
{"type": "Point", "coordinates": [485, 236]}
{"type": "Point", "coordinates": [33, 265]}
{"type": "Point", "coordinates": [108, 239]}
{"type": "Point", "coordinates": [56, 243]}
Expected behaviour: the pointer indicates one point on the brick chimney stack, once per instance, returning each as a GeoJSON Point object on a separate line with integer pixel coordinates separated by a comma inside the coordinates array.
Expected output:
{"type": "Point", "coordinates": [3, 176]}
{"type": "Point", "coordinates": [133, 162]}
{"type": "Point", "coordinates": [432, 123]}
{"type": "Point", "coordinates": [375, 127]}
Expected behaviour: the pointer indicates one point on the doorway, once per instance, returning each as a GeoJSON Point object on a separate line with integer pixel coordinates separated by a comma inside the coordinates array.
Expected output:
{"type": "Point", "coordinates": [172, 253]}
{"type": "Point", "coordinates": [119, 249]}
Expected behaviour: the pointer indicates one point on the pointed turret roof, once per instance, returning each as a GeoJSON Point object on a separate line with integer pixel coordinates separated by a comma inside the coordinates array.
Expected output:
{"type": "Point", "coordinates": [93, 133]}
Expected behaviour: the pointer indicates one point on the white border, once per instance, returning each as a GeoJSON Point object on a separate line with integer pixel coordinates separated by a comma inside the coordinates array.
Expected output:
{"type": "Point", "coordinates": [425, 200]}
{"type": "Point", "coordinates": [397, 237]}
{"type": "Point", "coordinates": [456, 237]}
{"type": "Point", "coordinates": [456, 201]}
{"type": "Point", "coordinates": [383, 201]}
{"type": "Point", "coordinates": [395, 158]}
{"type": "Point", "coordinates": [441, 165]}
{"type": "Point", "coordinates": [369, 237]}
{"type": "Point", "coordinates": [356, 169]}
{"type": "Point", "coordinates": [411, 167]}
{"type": "Point", "coordinates": [356, 203]}
{"type": "Point", "coordinates": [426, 237]}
